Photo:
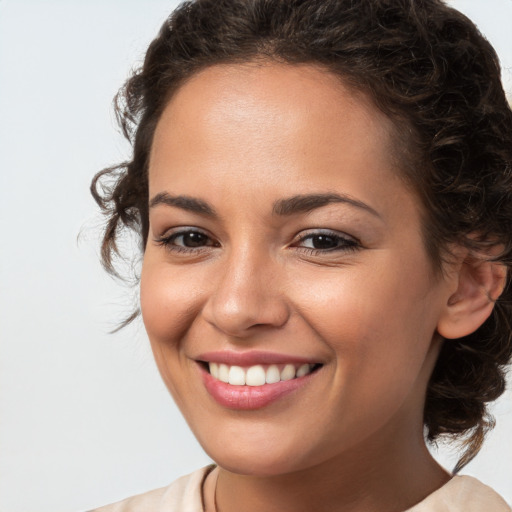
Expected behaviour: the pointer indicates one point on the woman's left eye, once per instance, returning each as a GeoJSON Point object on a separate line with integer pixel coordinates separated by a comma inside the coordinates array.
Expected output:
{"type": "Point", "coordinates": [319, 242]}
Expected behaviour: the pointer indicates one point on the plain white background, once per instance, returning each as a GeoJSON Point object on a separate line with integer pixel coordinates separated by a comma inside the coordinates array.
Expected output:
{"type": "Point", "coordinates": [84, 418]}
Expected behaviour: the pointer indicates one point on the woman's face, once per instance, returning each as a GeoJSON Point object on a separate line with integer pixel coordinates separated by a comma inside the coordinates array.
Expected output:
{"type": "Point", "coordinates": [285, 252]}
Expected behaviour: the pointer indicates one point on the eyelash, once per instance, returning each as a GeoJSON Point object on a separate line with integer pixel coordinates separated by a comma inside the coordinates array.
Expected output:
{"type": "Point", "coordinates": [345, 243]}
{"type": "Point", "coordinates": [169, 241]}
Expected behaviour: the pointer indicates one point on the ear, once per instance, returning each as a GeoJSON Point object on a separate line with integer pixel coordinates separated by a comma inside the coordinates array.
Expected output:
{"type": "Point", "coordinates": [479, 283]}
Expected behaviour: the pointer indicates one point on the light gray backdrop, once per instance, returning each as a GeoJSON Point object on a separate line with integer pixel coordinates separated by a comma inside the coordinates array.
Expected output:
{"type": "Point", "coordinates": [84, 418]}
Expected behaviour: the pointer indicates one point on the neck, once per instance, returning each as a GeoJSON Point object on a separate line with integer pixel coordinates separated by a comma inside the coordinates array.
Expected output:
{"type": "Point", "coordinates": [369, 479]}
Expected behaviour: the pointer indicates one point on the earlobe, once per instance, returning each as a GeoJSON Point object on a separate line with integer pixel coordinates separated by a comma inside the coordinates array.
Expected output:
{"type": "Point", "coordinates": [480, 283]}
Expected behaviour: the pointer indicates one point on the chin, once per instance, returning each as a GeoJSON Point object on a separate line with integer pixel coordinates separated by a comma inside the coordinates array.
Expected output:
{"type": "Point", "coordinates": [258, 457]}
{"type": "Point", "coordinates": [262, 465]}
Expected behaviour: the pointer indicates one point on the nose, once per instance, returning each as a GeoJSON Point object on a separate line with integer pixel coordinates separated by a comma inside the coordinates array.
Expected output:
{"type": "Point", "coordinates": [246, 295]}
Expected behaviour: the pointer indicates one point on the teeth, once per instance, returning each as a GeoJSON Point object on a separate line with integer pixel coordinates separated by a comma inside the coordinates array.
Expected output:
{"type": "Point", "coordinates": [288, 372]}
{"type": "Point", "coordinates": [214, 370]}
{"type": "Point", "coordinates": [273, 374]}
{"type": "Point", "coordinates": [303, 370]}
{"type": "Point", "coordinates": [224, 373]}
{"type": "Point", "coordinates": [236, 376]}
{"type": "Point", "coordinates": [257, 375]}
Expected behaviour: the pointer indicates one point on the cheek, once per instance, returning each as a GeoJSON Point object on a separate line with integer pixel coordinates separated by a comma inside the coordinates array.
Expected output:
{"type": "Point", "coordinates": [169, 302]}
{"type": "Point", "coordinates": [376, 328]}
{"type": "Point", "coordinates": [377, 317]}
{"type": "Point", "coordinates": [344, 304]}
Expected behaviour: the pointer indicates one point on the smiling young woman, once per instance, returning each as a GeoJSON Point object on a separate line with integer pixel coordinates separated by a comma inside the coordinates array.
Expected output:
{"type": "Point", "coordinates": [323, 194]}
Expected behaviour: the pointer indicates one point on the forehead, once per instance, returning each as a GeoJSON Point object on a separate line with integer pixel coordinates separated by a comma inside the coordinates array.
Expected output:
{"type": "Point", "coordinates": [256, 84]}
{"type": "Point", "coordinates": [287, 111]}
{"type": "Point", "coordinates": [257, 94]}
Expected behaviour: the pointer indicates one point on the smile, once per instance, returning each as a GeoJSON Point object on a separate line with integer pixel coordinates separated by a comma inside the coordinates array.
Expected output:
{"type": "Point", "coordinates": [258, 375]}
{"type": "Point", "coordinates": [253, 380]}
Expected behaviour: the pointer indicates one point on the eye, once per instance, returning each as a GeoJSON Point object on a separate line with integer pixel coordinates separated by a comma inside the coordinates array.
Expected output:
{"type": "Point", "coordinates": [190, 239]}
{"type": "Point", "coordinates": [319, 242]}
{"type": "Point", "coordinates": [186, 240]}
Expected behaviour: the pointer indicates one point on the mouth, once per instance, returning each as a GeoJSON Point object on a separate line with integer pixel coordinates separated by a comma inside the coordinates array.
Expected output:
{"type": "Point", "coordinates": [258, 375]}
{"type": "Point", "coordinates": [246, 386]}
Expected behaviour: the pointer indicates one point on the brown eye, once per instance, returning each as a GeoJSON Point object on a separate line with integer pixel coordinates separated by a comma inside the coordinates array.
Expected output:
{"type": "Point", "coordinates": [327, 241]}
{"type": "Point", "coordinates": [187, 240]}
{"type": "Point", "coordinates": [324, 242]}
{"type": "Point", "coordinates": [192, 239]}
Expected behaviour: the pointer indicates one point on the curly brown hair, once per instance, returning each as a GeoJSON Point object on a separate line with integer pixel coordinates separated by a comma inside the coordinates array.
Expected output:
{"type": "Point", "coordinates": [427, 67]}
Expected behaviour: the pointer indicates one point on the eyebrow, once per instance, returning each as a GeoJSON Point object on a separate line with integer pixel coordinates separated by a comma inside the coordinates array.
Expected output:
{"type": "Point", "coordinates": [308, 202]}
{"type": "Point", "coordinates": [188, 203]}
{"type": "Point", "coordinates": [283, 207]}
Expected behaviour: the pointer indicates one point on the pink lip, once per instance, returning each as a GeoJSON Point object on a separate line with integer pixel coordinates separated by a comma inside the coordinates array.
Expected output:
{"type": "Point", "coordinates": [250, 397]}
{"type": "Point", "coordinates": [250, 358]}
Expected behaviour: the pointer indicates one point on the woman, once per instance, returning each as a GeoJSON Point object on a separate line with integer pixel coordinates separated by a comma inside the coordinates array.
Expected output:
{"type": "Point", "coordinates": [322, 191]}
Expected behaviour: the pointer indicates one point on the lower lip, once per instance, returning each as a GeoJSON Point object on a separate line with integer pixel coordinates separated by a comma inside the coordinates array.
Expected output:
{"type": "Point", "coordinates": [250, 397]}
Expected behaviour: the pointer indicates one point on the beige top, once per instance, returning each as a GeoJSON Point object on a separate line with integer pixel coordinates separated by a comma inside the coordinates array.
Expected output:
{"type": "Point", "coordinates": [460, 494]}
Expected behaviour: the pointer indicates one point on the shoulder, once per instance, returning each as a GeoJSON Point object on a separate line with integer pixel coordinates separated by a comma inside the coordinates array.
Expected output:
{"type": "Point", "coordinates": [183, 495]}
{"type": "Point", "coordinates": [464, 494]}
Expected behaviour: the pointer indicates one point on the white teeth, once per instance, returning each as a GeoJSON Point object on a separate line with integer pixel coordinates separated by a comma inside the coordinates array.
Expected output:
{"type": "Point", "coordinates": [273, 374]}
{"type": "Point", "coordinates": [255, 376]}
{"type": "Point", "coordinates": [224, 373]}
{"type": "Point", "coordinates": [236, 376]}
{"type": "Point", "coordinates": [288, 372]}
{"type": "Point", "coordinates": [303, 370]}
{"type": "Point", "coordinates": [214, 370]}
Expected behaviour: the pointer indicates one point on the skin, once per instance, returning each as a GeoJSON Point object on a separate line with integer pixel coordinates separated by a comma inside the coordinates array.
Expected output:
{"type": "Point", "coordinates": [240, 138]}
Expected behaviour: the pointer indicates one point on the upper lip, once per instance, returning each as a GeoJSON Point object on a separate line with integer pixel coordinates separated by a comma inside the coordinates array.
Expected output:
{"type": "Point", "coordinates": [251, 358]}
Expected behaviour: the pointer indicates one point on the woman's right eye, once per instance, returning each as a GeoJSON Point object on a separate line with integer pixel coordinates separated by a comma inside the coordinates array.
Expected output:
{"type": "Point", "coordinates": [189, 240]}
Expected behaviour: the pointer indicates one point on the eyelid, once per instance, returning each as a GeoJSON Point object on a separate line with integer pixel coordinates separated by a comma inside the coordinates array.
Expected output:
{"type": "Point", "coordinates": [170, 235]}
{"type": "Point", "coordinates": [327, 232]}
{"type": "Point", "coordinates": [348, 242]}
{"type": "Point", "coordinates": [180, 230]}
